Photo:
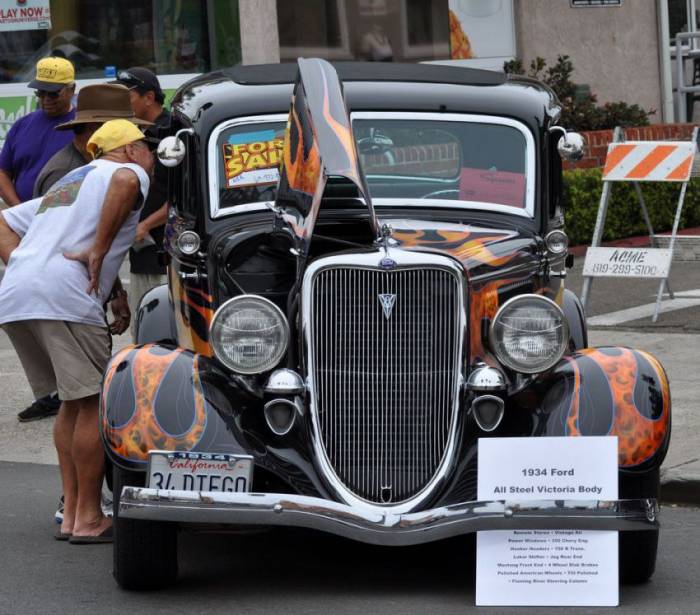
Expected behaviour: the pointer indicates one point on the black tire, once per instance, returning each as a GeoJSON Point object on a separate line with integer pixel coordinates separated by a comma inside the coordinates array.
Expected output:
{"type": "Point", "coordinates": [145, 552]}
{"type": "Point", "coordinates": [638, 548]}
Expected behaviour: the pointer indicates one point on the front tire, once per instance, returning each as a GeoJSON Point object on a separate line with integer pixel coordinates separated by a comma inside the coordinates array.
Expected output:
{"type": "Point", "coordinates": [145, 552]}
{"type": "Point", "coordinates": [638, 549]}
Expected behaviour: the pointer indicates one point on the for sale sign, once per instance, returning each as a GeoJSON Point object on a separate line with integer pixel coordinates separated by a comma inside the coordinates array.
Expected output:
{"type": "Point", "coordinates": [24, 15]}
{"type": "Point", "coordinates": [627, 262]}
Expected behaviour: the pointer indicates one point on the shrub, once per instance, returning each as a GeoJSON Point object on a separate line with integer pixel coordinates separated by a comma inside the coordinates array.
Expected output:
{"type": "Point", "coordinates": [582, 191]}
{"type": "Point", "coordinates": [579, 109]}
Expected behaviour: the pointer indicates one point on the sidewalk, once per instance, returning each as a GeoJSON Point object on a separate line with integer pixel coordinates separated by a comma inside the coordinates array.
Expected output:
{"type": "Point", "coordinates": [680, 472]}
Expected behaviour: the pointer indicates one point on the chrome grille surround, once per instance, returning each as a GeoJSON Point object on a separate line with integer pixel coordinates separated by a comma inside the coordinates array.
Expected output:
{"type": "Point", "coordinates": [369, 262]}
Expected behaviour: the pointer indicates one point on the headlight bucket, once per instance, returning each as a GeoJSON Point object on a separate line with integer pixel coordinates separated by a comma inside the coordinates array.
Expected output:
{"type": "Point", "coordinates": [529, 334]}
{"type": "Point", "coordinates": [249, 334]}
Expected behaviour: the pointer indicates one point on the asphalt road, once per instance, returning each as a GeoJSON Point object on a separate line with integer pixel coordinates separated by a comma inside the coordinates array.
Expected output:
{"type": "Point", "coordinates": [281, 571]}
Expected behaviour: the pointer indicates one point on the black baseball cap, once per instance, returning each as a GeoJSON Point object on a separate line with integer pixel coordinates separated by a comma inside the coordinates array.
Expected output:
{"type": "Point", "coordinates": [140, 78]}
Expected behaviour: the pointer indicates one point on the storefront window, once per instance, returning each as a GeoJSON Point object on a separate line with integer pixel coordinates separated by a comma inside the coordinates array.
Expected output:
{"type": "Point", "coordinates": [167, 36]}
{"type": "Point", "coordinates": [375, 30]}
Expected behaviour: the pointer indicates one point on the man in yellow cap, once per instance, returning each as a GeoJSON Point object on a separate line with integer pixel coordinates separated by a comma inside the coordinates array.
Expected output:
{"type": "Point", "coordinates": [51, 302]}
{"type": "Point", "coordinates": [32, 140]}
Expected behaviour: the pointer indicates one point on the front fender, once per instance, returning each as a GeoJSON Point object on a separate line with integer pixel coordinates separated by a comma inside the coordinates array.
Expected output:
{"type": "Point", "coordinates": [608, 391]}
{"type": "Point", "coordinates": [158, 397]}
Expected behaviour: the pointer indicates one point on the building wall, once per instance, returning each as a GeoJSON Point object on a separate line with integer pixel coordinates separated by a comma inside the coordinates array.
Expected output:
{"type": "Point", "coordinates": [613, 49]}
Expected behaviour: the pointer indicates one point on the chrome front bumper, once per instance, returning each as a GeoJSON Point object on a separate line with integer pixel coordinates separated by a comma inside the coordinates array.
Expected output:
{"type": "Point", "coordinates": [374, 526]}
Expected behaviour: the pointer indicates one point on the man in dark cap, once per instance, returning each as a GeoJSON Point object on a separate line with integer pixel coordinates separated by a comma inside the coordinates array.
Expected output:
{"type": "Point", "coordinates": [147, 98]}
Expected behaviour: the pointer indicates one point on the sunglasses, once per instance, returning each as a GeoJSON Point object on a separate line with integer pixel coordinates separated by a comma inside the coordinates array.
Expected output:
{"type": "Point", "coordinates": [52, 95]}
{"type": "Point", "coordinates": [125, 75]}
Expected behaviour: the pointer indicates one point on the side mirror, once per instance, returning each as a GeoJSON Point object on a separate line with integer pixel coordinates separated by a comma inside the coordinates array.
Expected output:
{"type": "Point", "coordinates": [571, 146]}
{"type": "Point", "coordinates": [171, 151]}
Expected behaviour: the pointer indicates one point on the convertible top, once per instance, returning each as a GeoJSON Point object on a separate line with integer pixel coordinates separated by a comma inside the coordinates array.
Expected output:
{"type": "Point", "coordinates": [275, 74]}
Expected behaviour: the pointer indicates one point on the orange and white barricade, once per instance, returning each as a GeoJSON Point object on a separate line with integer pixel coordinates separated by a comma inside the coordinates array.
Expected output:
{"type": "Point", "coordinates": [639, 161]}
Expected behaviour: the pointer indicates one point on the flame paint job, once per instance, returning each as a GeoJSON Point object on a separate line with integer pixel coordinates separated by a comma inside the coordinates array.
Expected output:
{"type": "Point", "coordinates": [318, 144]}
{"type": "Point", "coordinates": [166, 398]}
{"type": "Point", "coordinates": [482, 251]}
{"type": "Point", "coordinates": [132, 429]}
{"type": "Point", "coordinates": [612, 391]}
{"type": "Point", "coordinates": [194, 311]}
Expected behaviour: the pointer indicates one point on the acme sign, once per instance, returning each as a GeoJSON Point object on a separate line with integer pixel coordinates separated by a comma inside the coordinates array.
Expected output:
{"type": "Point", "coordinates": [24, 15]}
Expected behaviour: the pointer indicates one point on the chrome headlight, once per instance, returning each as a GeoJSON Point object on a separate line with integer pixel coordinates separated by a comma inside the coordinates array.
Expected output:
{"type": "Point", "coordinates": [529, 334]}
{"type": "Point", "coordinates": [249, 334]}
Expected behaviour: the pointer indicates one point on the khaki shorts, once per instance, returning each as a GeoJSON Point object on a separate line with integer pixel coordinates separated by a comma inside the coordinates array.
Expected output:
{"type": "Point", "coordinates": [57, 355]}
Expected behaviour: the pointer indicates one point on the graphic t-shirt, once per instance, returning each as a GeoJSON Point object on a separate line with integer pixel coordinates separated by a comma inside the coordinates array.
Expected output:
{"type": "Point", "coordinates": [40, 283]}
{"type": "Point", "coordinates": [30, 142]}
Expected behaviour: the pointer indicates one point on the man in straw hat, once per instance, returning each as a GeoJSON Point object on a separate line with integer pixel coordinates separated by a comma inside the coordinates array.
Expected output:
{"type": "Point", "coordinates": [51, 302]}
{"type": "Point", "coordinates": [96, 105]}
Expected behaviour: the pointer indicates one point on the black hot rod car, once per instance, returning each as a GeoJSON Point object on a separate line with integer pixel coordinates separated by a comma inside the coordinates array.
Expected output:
{"type": "Point", "coordinates": [361, 286]}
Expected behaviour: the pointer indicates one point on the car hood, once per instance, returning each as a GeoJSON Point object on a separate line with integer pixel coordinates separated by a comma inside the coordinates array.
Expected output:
{"type": "Point", "coordinates": [482, 249]}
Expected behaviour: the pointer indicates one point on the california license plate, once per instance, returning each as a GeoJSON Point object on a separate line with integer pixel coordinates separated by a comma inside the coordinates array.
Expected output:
{"type": "Point", "coordinates": [200, 471]}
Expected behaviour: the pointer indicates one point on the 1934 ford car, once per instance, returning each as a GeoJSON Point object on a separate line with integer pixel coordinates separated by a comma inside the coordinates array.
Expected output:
{"type": "Point", "coordinates": [360, 287]}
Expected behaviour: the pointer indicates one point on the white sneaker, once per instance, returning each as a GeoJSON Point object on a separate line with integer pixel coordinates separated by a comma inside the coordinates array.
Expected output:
{"type": "Point", "coordinates": [58, 515]}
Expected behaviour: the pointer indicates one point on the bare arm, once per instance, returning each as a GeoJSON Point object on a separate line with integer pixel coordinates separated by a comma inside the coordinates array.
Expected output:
{"type": "Point", "coordinates": [158, 218]}
{"type": "Point", "coordinates": [9, 240]}
{"type": "Point", "coordinates": [122, 192]}
{"type": "Point", "coordinates": [7, 189]}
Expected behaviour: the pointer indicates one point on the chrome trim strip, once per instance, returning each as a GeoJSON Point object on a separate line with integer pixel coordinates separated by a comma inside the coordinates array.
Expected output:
{"type": "Point", "coordinates": [528, 212]}
{"type": "Point", "coordinates": [370, 260]}
{"type": "Point", "coordinates": [381, 526]}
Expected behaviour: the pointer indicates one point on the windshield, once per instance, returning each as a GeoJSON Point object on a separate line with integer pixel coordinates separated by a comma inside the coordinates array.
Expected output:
{"type": "Point", "coordinates": [445, 160]}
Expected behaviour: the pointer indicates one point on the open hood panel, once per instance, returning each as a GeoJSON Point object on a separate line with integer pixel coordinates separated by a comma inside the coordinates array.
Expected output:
{"type": "Point", "coordinates": [318, 144]}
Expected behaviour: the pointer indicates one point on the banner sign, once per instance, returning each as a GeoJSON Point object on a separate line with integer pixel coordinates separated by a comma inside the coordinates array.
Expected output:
{"type": "Point", "coordinates": [24, 15]}
{"type": "Point", "coordinates": [547, 567]}
{"type": "Point", "coordinates": [627, 262]}
{"type": "Point", "coordinates": [252, 159]}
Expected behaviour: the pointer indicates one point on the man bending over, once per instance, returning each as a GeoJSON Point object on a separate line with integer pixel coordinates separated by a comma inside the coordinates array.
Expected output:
{"type": "Point", "coordinates": [63, 252]}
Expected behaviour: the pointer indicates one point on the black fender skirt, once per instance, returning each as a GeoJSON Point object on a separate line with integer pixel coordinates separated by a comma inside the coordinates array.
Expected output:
{"type": "Point", "coordinates": [607, 391]}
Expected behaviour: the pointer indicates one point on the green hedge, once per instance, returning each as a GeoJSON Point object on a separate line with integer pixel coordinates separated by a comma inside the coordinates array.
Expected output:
{"type": "Point", "coordinates": [582, 190]}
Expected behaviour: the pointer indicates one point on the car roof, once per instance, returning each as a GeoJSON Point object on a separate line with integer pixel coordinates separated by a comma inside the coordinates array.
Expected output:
{"type": "Point", "coordinates": [269, 74]}
{"type": "Point", "coordinates": [265, 89]}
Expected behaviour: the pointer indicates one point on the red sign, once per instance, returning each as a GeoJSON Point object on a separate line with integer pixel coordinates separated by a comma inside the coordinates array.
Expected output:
{"type": "Point", "coordinates": [500, 187]}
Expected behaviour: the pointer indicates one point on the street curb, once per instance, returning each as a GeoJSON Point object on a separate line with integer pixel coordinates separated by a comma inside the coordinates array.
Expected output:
{"type": "Point", "coordinates": [677, 488]}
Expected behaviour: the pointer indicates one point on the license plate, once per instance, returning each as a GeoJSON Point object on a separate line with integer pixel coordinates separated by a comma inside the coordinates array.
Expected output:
{"type": "Point", "coordinates": [200, 471]}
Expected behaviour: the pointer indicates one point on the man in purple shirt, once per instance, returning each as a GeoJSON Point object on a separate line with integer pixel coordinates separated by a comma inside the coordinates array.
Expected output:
{"type": "Point", "coordinates": [32, 140]}
{"type": "Point", "coordinates": [30, 143]}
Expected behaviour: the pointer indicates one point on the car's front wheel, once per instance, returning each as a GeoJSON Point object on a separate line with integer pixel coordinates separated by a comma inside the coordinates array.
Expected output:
{"type": "Point", "coordinates": [145, 552]}
{"type": "Point", "coordinates": [638, 548]}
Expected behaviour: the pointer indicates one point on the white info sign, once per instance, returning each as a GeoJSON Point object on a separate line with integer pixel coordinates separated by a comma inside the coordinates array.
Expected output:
{"type": "Point", "coordinates": [627, 262]}
{"type": "Point", "coordinates": [547, 567]}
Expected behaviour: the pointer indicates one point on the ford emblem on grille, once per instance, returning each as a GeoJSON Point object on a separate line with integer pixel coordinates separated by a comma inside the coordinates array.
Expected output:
{"type": "Point", "coordinates": [387, 263]}
{"type": "Point", "coordinates": [387, 302]}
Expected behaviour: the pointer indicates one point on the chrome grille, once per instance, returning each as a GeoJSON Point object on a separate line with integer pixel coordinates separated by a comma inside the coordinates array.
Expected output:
{"type": "Point", "coordinates": [385, 381]}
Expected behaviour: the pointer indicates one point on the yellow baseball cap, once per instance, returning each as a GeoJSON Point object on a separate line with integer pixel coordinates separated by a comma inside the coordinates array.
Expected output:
{"type": "Point", "coordinates": [52, 74]}
{"type": "Point", "coordinates": [111, 135]}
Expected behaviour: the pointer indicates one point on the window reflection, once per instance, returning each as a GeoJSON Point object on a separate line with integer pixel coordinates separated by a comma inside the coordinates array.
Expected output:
{"type": "Point", "coordinates": [167, 36]}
